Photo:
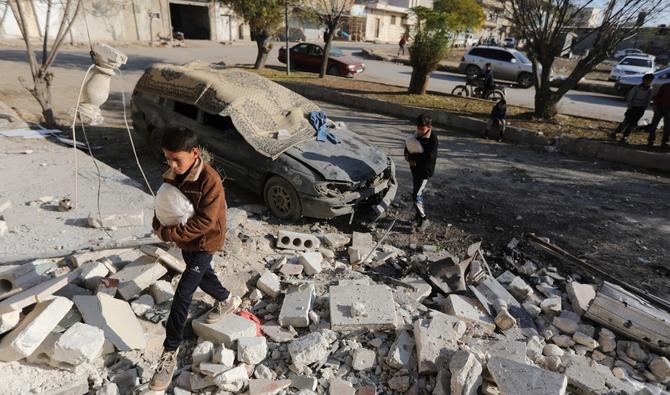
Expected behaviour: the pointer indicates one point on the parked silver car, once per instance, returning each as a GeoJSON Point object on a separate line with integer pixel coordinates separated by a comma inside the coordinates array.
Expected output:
{"type": "Point", "coordinates": [624, 84]}
{"type": "Point", "coordinates": [508, 64]}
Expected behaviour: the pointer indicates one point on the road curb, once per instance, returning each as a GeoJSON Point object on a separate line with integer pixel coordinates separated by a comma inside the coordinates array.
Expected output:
{"type": "Point", "coordinates": [565, 144]}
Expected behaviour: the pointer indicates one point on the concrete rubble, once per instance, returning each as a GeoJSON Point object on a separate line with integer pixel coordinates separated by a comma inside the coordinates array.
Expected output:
{"type": "Point", "coordinates": [328, 322]}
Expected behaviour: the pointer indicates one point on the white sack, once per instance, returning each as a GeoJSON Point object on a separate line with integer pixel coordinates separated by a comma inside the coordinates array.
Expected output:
{"type": "Point", "coordinates": [172, 206]}
{"type": "Point", "coordinates": [413, 145]}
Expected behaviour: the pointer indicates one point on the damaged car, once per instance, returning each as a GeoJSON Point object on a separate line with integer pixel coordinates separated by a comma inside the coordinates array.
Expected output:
{"type": "Point", "coordinates": [263, 137]}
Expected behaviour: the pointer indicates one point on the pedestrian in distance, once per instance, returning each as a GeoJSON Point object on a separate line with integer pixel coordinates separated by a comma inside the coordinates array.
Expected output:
{"type": "Point", "coordinates": [401, 45]}
{"type": "Point", "coordinates": [325, 35]}
{"type": "Point", "coordinates": [661, 111]}
{"type": "Point", "coordinates": [199, 238]}
{"type": "Point", "coordinates": [421, 154]}
{"type": "Point", "coordinates": [638, 100]}
{"type": "Point", "coordinates": [496, 121]}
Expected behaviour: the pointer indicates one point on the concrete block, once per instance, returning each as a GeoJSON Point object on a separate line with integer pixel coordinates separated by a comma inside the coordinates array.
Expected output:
{"type": "Point", "coordinates": [198, 382]}
{"type": "Point", "coordinates": [16, 278]}
{"type": "Point", "coordinates": [270, 284]}
{"type": "Point", "coordinates": [297, 305]}
{"type": "Point", "coordinates": [263, 372]}
{"type": "Point", "coordinates": [466, 373]}
{"type": "Point", "coordinates": [580, 296]}
{"type": "Point", "coordinates": [202, 352]}
{"type": "Point", "coordinates": [290, 269]}
{"type": "Point", "coordinates": [142, 305]}
{"type": "Point", "coordinates": [116, 318]}
{"type": "Point", "coordinates": [212, 369]}
{"type": "Point", "coordinates": [301, 382]}
{"type": "Point", "coordinates": [137, 276]}
{"type": "Point", "coordinates": [380, 313]}
{"type": "Point", "coordinates": [236, 283]}
{"type": "Point", "coordinates": [341, 387]}
{"type": "Point", "coordinates": [223, 356]}
{"type": "Point", "coordinates": [363, 359]}
{"type": "Point", "coordinates": [308, 349]}
{"type": "Point", "coordinates": [503, 348]}
{"type": "Point", "coordinates": [469, 310]}
{"type": "Point", "coordinates": [9, 321]}
{"type": "Point", "coordinates": [119, 220]}
{"type": "Point", "coordinates": [33, 329]}
{"type": "Point", "coordinates": [252, 350]}
{"type": "Point", "coordinates": [267, 387]}
{"type": "Point", "coordinates": [232, 380]}
{"type": "Point", "coordinates": [565, 324]}
{"type": "Point", "coordinates": [39, 293]}
{"type": "Point", "coordinates": [514, 378]}
{"type": "Point", "coordinates": [162, 291]}
{"type": "Point", "coordinates": [586, 376]}
{"type": "Point", "coordinates": [169, 260]}
{"type": "Point", "coordinates": [436, 337]}
{"type": "Point", "coordinates": [297, 241]}
{"type": "Point", "coordinates": [421, 289]}
{"type": "Point", "coordinates": [311, 261]}
{"type": "Point", "coordinates": [92, 273]}
{"type": "Point", "coordinates": [551, 305]}
{"type": "Point", "coordinates": [401, 351]}
{"type": "Point", "coordinates": [113, 259]}
{"type": "Point", "coordinates": [277, 333]}
{"type": "Point", "coordinates": [81, 343]}
{"type": "Point", "coordinates": [226, 331]}
{"type": "Point", "coordinates": [335, 240]}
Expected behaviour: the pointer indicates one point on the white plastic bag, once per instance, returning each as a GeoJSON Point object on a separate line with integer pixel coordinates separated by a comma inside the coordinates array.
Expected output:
{"type": "Point", "coordinates": [413, 145]}
{"type": "Point", "coordinates": [172, 206]}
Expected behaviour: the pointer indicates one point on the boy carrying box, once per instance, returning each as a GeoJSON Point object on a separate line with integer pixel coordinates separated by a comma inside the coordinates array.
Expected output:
{"type": "Point", "coordinates": [199, 238]}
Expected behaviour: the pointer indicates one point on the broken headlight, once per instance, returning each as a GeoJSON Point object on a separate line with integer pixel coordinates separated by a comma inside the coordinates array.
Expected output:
{"type": "Point", "coordinates": [332, 188]}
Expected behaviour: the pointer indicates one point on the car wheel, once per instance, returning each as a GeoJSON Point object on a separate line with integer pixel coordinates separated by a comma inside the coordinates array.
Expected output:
{"type": "Point", "coordinates": [525, 80]}
{"type": "Point", "coordinates": [333, 70]}
{"type": "Point", "coordinates": [281, 199]}
{"type": "Point", "coordinates": [472, 71]}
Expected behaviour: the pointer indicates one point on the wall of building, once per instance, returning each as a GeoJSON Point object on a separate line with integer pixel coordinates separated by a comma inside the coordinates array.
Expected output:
{"type": "Point", "coordinates": [390, 25]}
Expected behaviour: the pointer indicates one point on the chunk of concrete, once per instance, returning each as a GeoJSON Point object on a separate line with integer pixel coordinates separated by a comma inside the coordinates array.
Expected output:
{"type": "Point", "coordinates": [202, 352]}
{"type": "Point", "coordinates": [469, 310]}
{"type": "Point", "coordinates": [278, 334]}
{"type": "Point", "coordinates": [401, 351]}
{"type": "Point", "coordinates": [466, 373]}
{"type": "Point", "coordinates": [91, 273]}
{"type": "Point", "coordinates": [113, 259]}
{"type": "Point", "coordinates": [379, 307]}
{"type": "Point", "coordinates": [80, 343]}
{"type": "Point", "coordinates": [301, 382]}
{"type": "Point", "coordinates": [308, 349]}
{"type": "Point", "coordinates": [33, 329]}
{"type": "Point", "coordinates": [297, 305]}
{"type": "Point", "coordinates": [503, 348]}
{"type": "Point", "coordinates": [607, 340]}
{"type": "Point", "coordinates": [142, 305]}
{"type": "Point", "coordinates": [267, 387]}
{"type": "Point", "coordinates": [311, 261]}
{"type": "Point", "coordinates": [580, 296]}
{"type": "Point", "coordinates": [162, 291]}
{"type": "Point", "coordinates": [252, 350]}
{"type": "Point", "coordinates": [227, 330]}
{"type": "Point", "coordinates": [551, 350]}
{"type": "Point", "coordinates": [297, 241]}
{"type": "Point", "coordinates": [168, 260]}
{"type": "Point", "coordinates": [363, 359]}
{"type": "Point", "coordinates": [586, 376]}
{"type": "Point", "coordinates": [270, 284]}
{"type": "Point", "coordinates": [421, 289]}
{"type": "Point", "coordinates": [115, 317]}
{"type": "Point", "coordinates": [436, 337]}
{"type": "Point", "coordinates": [563, 341]}
{"type": "Point", "coordinates": [39, 293]}
{"type": "Point", "coordinates": [9, 321]}
{"type": "Point", "coordinates": [119, 220]}
{"type": "Point", "coordinates": [551, 305]}
{"type": "Point", "coordinates": [212, 369]}
{"type": "Point", "coordinates": [223, 356]}
{"type": "Point", "coordinates": [566, 324]}
{"type": "Point", "coordinates": [585, 340]}
{"type": "Point", "coordinates": [514, 378]}
{"type": "Point", "coordinates": [232, 380]}
{"type": "Point", "coordinates": [520, 289]}
{"type": "Point", "coordinates": [335, 240]}
{"type": "Point", "coordinates": [291, 269]}
{"type": "Point", "coordinates": [341, 387]}
{"type": "Point", "coordinates": [489, 290]}
{"type": "Point", "coordinates": [137, 276]}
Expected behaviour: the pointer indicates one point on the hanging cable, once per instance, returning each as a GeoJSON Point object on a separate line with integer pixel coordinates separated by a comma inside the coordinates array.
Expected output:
{"type": "Point", "coordinates": [74, 135]}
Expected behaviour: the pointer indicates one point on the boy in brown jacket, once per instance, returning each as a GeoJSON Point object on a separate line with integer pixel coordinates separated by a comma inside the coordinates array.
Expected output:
{"type": "Point", "coordinates": [199, 238]}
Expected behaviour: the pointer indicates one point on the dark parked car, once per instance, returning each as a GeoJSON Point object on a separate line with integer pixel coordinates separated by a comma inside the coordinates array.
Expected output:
{"type": "Point", "coordinates": [258, 133]}
{"type": "Point", "coordinates": [308, 56]}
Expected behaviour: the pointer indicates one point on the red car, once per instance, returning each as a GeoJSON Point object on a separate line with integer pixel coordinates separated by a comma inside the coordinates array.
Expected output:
{"type": "Point", "coordinates": [307, 56]}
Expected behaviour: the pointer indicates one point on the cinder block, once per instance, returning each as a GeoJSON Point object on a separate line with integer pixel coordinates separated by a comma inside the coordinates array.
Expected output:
{"type": "Point", "coordinates": [35, 327]}
{"type": "Point", "coordinates": [227, 330]}
{"type": "Point", "coordinates": [81, 343]}
{"type": "Point", "coordinates": [115, 317]}
{"type": "Point", "coordinates": [137, 276]}
{"type": "Point", "coordinates": [297, 305]}
{"type": "Point", "coordinates": [297, 241]}
{"type": "Point", "coordinates": [269, 284]}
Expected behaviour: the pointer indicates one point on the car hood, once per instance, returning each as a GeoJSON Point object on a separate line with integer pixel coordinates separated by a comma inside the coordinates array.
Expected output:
{"type": "Point", "coordinates": [347, 60]}
{"type": "Point", "coordinates": [353, 160]}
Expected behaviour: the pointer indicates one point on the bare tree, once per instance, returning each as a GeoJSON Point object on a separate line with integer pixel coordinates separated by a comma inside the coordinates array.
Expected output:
{"type": "Point", "coordinates": [41, 71]}
{"type": "Point", "coordinates": [329, 13]}
{"type": "Point", "coordinates": [544, 24]}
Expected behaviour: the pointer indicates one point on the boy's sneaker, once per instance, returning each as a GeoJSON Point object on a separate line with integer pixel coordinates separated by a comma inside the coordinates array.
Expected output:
{"type": "Point", "coordinates": [222, 308]}
{"type": "Point", "coordinates": [163, 375]}
{"type": "Point", "coordinates": [423, 224]}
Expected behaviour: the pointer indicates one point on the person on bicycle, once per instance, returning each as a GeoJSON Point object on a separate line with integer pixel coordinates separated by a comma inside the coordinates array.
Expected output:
{"type": "Point", "coordinates": [489, 80]}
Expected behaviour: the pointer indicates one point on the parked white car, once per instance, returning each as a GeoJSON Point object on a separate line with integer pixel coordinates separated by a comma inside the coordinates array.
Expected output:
{"type": "Point", "coordinates": [631, 65]}
{"type": "Point", "coordinates": [622, 53]}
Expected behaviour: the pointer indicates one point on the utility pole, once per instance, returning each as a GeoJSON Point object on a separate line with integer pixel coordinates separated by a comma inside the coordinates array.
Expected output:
{"type": "Point", "coordinates": [288, 52]}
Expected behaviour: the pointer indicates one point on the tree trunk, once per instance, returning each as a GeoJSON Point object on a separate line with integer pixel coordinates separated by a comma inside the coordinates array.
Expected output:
{"type": "Point", "coordinates": [263, 50]}
{"type": "Point", "coordinates": [418, 84]}
{"type": "Point", "coordinates": [326, 52]}
{"type": "Point", "coordinates": [42, 93]}
{"type": "Point", "coordinates": [546, 102]}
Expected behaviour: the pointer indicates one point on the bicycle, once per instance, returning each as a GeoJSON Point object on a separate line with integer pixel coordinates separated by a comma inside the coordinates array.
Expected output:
{"type": "Point", "coordinates": [474, 87]}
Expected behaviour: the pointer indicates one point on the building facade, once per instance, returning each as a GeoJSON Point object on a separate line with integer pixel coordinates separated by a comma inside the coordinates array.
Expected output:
{"type": "Point", "coordinates": [588, 17]}
{"type": "Point", "coordinates": [496, 20]}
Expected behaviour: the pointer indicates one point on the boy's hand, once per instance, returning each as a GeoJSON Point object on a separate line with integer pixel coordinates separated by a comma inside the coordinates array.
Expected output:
{"type": "Point", "coordinates": [158, 232]}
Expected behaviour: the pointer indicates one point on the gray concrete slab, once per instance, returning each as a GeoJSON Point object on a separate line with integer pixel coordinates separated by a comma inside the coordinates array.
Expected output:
{"type": "Point", "coordinates": [514, 378]}
{"type": "Point", "coordinates": [379, 307]}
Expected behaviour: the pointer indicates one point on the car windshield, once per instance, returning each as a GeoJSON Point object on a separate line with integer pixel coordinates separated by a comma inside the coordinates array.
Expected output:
{"type": "Point", "coordinates": [522, 57]}
{"type": "Point", "coordinates": [636, 62]}
{"type": "Point", "coordinates": [336, 52]}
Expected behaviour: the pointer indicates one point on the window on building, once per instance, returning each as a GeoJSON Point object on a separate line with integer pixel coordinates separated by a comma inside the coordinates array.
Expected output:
{"type": "Point", "coordinates": [403, 20]}
{"type": "Point", "coordinates": [392, 19]}
{"type": "Point", "coordinates": [187, 110]}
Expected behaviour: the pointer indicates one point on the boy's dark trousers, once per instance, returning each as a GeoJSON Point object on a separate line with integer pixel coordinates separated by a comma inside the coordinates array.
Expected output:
{"type": "Point", "coordinates": [198, 273]}
{"type": "Point", "coordinates": [630, 121]}
{"type": "Point", "coordinates": [659, 114]}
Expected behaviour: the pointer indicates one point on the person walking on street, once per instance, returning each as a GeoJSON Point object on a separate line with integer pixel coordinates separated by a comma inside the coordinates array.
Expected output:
{"type": "Point", "coordinates": [199, 238]}
{"type": "Point", "coordinates": [401, 44]}
{"type": "Point", "coordinates": [661, 111]}
{"type": "Point", "coordinates": [421, 154]}
{"type": "Point", "coordinates": [638, 100]}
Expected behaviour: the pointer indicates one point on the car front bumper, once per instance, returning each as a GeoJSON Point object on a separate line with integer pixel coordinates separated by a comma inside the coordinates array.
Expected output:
{"type": "Point", "coordinates": [377, 198]}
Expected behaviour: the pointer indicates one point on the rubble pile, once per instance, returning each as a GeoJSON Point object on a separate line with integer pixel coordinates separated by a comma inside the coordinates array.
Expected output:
{"type": "Point", "coordinates": [327, 314]}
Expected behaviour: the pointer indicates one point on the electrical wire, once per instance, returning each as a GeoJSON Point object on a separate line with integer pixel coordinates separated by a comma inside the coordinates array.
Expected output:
{"type": "Point", "coordinates": [74, 135]}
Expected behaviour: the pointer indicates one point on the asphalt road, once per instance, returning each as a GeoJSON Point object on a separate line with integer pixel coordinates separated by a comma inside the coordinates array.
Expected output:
{"type": "Point", "coordinates": [575, 103]}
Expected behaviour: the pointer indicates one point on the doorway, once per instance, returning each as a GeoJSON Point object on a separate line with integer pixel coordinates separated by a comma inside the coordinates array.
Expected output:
{"type": "Point", "coordinates": [192, 20]}
{"type": "Point", "coordinates": [377, 26]}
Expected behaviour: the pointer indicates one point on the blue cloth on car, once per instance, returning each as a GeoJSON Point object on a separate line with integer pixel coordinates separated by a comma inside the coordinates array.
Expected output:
{"type": "Point", "coordinates": [318, 120]}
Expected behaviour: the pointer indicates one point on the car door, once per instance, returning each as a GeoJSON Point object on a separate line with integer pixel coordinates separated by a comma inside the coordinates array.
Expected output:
{"type": "Point", "coordinates": [299, 55]}
{"type": "Point", "coordinates": [315, 56]}
{"type": "Point", "coordinates": [505, 64]}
